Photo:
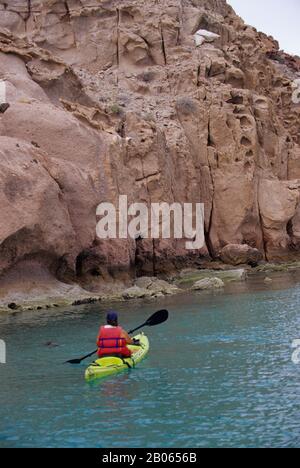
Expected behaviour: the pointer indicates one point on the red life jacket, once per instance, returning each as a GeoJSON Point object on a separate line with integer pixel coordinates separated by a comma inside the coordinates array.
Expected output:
{"type": "Point", "coordinates": [111, 342]}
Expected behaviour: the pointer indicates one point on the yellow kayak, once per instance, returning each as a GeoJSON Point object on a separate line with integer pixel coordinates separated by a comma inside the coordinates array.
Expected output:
{"type": "Point", "coordinates": [106, 366]}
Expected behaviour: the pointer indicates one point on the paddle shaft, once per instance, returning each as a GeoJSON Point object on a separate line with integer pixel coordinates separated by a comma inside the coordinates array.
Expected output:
{"type": "Point", "coordinates": [138, 328]}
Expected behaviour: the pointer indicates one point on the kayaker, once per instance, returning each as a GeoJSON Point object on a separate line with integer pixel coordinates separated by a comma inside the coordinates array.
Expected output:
{"type": "Point", "coordinates": [112, 339]}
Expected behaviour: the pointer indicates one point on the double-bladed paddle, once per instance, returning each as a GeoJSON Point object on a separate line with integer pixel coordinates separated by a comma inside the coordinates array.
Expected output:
{"type": "Point", "coordinates": [157, 318]}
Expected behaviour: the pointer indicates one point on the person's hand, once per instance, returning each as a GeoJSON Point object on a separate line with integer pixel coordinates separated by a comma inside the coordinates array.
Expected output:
{"type": "Point", "coordinates": [136, 342]}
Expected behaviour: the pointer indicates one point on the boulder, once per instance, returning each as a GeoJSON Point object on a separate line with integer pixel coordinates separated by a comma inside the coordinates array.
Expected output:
{"type": "Point", "coordinates": [160, 286]}
{"type": "Point", "coordinates": [208, 283]}
{"type": "Point", "coordinates": [227, 276]}
{"type": "Point", "coordinates": [156, 286]}
{"type": "Point", "coordinates": [144, 282]}
{"type": "Point", "coordinates": [235, 254]}
{"type": "Point", "coordinates": [233, 275]}
{"type": "Point", "coordinates": [202, 35]}
{"type": "Point", "coordinates": [135, 293]}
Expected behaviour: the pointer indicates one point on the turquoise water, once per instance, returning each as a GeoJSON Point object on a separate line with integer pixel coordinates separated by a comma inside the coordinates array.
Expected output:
{"type": "Point", "coordinates": [219, 374]}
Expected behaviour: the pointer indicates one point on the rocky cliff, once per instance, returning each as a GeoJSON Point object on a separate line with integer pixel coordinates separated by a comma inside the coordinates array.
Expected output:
{"type": "Point", "coordinates": [110, 97]}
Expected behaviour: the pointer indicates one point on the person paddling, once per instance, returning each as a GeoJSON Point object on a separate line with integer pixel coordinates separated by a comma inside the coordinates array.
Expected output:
{"type": "Point", "coordinates": [157, 318]}
{"type": "Point", "coordinates": [112, 340]}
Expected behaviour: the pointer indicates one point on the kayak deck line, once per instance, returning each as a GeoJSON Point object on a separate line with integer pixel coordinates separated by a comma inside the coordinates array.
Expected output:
{"type": "Point", "coordinates": [110, 365]}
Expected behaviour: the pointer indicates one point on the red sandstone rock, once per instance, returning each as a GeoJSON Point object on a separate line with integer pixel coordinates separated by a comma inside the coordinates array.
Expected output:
{"type": "Point", "coordinates": [113, 97]}
{"type": "Point", "coordinates": [236, 254]}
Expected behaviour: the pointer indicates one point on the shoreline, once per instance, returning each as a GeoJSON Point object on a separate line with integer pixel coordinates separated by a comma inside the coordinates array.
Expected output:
{"type": "Point", "coordinates": [54, 294]}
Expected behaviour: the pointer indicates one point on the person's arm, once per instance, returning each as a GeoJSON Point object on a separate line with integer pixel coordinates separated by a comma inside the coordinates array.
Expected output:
{"type": "Point", "coordinates": [126, 337]}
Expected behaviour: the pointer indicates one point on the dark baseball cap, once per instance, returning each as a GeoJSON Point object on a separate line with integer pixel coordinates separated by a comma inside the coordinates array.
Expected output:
{"type": "Point", "coordinates": [112, 316]}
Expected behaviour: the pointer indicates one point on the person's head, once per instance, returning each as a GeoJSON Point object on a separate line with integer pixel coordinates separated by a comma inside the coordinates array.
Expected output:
{"type": "Point", "coordinates": [112, 318]}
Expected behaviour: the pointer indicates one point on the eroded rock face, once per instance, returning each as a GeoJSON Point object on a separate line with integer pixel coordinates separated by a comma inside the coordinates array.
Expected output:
{"type": "Point", "coordinates": [115, 97]}
{"type": "Point", "coordinates": [33, 215]}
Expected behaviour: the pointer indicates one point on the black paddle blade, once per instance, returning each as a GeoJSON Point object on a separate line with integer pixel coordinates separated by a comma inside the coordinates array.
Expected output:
{"type": "Point", "coordinates": [73, 361]}
{"type": "Point", "coordinates": [160, 316]}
